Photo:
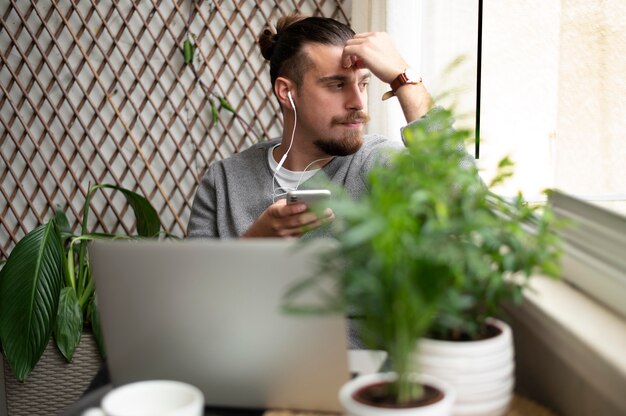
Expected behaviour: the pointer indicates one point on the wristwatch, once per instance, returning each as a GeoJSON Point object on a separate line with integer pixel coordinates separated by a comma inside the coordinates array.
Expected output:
{"type": "Point", "coordinates": [409, 76]}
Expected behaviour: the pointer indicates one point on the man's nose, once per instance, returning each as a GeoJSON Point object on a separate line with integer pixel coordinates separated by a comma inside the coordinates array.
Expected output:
{"type": "Point", "coordinates": [356, 98]}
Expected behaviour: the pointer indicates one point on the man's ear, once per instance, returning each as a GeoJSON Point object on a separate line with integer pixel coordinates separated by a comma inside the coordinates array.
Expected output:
{"type": "Point", "coordinates": [282, 86]}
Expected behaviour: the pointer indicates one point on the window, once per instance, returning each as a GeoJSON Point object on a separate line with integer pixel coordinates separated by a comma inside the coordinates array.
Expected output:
{"type": "Point", "coordinates": [553, 97]}
{"type": "Point", "coordinates": [553, 94]}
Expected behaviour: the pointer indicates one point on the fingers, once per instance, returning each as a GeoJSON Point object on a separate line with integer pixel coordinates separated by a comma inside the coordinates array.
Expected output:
{"type": "Point", "coordinates": [280, 208]}
{"type": "Point", "coordinates": [282, 220]}
{"type": "Point", "coordinates": [376, 52]}
{"type": "Point", "coordinates": [352, 61]}
{"type": "Point", "coordinates": [328, 217]}
{"type": "Point", "coordinates": [296, 225]}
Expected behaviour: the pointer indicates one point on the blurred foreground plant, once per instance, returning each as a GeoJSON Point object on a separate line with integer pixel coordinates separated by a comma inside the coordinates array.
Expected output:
{"type": "Point", "coordinates": [430, 249]}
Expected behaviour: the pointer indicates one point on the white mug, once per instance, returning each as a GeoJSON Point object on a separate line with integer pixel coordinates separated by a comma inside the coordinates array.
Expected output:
{"type": "Point", "coordinates": [153, 397]}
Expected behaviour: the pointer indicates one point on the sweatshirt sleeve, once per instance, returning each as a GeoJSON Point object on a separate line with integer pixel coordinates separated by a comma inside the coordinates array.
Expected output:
{"type": "Point", "coordinates": [203, 218]}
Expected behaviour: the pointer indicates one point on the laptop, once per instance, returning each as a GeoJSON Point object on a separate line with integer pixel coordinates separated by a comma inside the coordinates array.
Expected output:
{"type": "Point", "coordinates": [208, 312]}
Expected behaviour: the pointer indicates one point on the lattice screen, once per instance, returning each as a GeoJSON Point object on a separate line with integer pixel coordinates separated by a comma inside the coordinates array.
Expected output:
{"type": "Point", "coordinates": [97, 92]}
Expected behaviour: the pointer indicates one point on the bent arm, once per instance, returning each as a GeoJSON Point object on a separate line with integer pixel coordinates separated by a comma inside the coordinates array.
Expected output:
{"type": "Point", "coordinates": [414, 100]}
{"type": "Point", "coordinates": [376, 52]}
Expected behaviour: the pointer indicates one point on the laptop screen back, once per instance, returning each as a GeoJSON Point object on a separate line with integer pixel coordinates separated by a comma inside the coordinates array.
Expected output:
{"type": "Point", "coordinates": [208, 313]}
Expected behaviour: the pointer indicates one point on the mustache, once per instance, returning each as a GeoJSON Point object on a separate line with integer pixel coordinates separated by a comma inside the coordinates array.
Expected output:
{"type": "Point", "coordinates": [355, 116]}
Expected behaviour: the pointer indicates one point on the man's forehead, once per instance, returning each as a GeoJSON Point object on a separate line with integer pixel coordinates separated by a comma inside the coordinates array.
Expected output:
{"type": "Point", "coordinates": [326, 60]}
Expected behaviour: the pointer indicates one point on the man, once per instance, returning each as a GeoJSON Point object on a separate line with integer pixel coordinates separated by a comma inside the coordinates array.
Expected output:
{"type": "Point", "coordinates": [320, 70]}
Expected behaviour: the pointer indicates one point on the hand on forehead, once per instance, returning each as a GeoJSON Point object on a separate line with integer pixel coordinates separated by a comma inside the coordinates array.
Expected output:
{"type": "Point", "coordinates": [376, 52]}
{"type": "Point", "coordinates": [329, 60]}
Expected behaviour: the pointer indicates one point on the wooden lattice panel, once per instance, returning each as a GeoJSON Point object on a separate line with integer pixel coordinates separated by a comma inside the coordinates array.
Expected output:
{"type": "Point", "coordinates": [97, 92]}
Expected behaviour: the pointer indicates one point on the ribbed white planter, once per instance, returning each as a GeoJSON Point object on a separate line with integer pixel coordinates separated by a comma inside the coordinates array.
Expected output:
{"type": "Point", "coordinates": [481, 372]}
{"type": "Point", "coordinates": [442, 407]}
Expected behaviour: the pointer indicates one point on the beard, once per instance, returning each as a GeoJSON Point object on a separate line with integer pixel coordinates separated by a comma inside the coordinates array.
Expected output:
{"type": "Point", "coordinates": [349, 143]}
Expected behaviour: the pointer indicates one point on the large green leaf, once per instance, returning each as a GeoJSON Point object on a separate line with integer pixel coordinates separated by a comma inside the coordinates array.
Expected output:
{"type": "Point", "coordinates": [30, 285]}
{"type": "Point", "coordinates": [69, 323]}
{"type": "Point", "coordinates": [148, 223]}
{"type": "Point", "coordinates": [96, 327]}
{"type": "Point", "coordinates": [62, 222]}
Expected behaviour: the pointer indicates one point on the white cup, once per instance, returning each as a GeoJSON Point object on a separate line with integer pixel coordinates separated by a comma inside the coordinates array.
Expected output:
{"type": "Point", "coordinates": [154, 398]}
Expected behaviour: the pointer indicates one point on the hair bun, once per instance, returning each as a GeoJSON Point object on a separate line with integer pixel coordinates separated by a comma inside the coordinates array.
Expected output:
{"type": "Point", "coordinates": [267, 41]}
{"type": "Point", "coordinates": [269, 38]}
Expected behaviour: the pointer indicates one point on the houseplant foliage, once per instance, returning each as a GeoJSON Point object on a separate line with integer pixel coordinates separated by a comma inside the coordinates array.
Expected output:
{"type": "Point", "coordinates": [189, 52]}
{"type": "Point", "coordinates": [430, 249]}
{"type": "Point", "coordinates": [46, 286]}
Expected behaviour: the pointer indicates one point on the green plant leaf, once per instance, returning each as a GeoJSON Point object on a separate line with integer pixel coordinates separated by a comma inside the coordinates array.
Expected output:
{"type": "Point", "coordinates": [30, 286]}
{"type": "Point", "coordinates": [69, 323]}
{"type": "Point", "coordinates": [188, 51]}
{"type": "Point", "coordinates": [226, 105]}
{"type": "Point", "coordinates": [214, 113]}
{"type": "Point", "coordinates": [148, 223]}
{"type": "Point", "coordinates": [94, 317]}
{"type": "Point", "coordinates": [62, 222]}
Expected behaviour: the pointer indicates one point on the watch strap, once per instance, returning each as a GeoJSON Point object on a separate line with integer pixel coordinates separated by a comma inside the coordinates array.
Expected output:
{"type": "Point", "coordinates": [398, 82]}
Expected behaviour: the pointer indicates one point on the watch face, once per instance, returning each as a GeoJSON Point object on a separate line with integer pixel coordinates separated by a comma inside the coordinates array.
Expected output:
{"type": "Point", "coordinates": [412, 75]}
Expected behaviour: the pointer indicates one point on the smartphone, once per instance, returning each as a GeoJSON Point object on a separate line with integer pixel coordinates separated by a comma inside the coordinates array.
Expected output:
{"type": "Point", "coordinates": [307, 196]}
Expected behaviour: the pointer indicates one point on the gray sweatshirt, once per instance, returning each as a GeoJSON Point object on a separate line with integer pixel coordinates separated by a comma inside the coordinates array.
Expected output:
{"type": "Point", "coordinates": [235, 191]}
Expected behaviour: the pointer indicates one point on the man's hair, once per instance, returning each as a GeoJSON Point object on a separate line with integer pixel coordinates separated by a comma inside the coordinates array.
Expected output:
{"type": "Point", "coordinates": [284, 49]}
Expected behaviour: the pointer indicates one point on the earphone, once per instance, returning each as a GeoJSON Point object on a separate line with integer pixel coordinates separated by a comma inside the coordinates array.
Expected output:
{"type": "Point", "coordinates": [291, 100]}
{"type": "Point", "coordinates": [293, 133]}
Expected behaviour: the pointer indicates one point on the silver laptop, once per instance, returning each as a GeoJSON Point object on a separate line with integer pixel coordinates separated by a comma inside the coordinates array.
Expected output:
{"type": "Point", "coordinates": [209, 313]}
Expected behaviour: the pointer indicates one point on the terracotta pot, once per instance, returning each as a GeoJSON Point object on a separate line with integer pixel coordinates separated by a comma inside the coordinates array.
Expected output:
{"type": "Point", "coordinates": [440, 407]}
{"type": "Point", "coordinates": [481, 372]}
{"type": "Point", "coordinates": [54, 384]}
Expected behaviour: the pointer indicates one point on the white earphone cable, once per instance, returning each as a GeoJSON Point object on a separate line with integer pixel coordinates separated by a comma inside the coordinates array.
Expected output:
{"type": "Point", "coordinates": [282, 160]}
{"type": "Point", "coordinates": [293, 132]}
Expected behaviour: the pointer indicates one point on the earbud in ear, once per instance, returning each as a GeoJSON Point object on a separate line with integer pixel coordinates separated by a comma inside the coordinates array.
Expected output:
{"type": "Point", "coordinates": [293, 106]}
{"type": "Point", "coordinates": [282, 160]}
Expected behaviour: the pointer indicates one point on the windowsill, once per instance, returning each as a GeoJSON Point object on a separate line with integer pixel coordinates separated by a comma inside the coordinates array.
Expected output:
{"type": "Point", "coordinates": [561, 332]}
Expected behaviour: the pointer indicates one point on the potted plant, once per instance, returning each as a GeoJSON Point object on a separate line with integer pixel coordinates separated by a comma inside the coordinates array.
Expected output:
{"type": "Point", "coordinates": [430, 250]}
{"type": "Point", "coordinates": [46, 287]}
{"type": "Point", "coordinates": [501, 244]}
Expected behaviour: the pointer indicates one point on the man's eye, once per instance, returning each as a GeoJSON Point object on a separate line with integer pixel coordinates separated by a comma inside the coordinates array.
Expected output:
{"type": "Point", "coordinates": [364, 84]}
{"type": "Point", "coordinates": [336, 86]}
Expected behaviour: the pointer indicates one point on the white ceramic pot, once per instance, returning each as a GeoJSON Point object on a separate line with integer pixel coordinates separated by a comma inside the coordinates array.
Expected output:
{"type": "Point", "coordinates": [481, 372]}
{"type": "Point", "coordinates": [442, 407]}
